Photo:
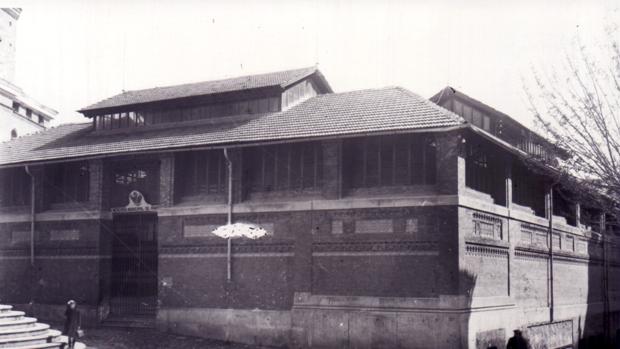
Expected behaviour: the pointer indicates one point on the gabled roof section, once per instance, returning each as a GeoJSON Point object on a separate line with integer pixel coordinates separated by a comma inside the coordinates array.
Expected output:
{"type": "Point", "coordinates": [449, 91]}
{"type": "Point", "coordinates": [364, 112]}
{"type": "Point", "coordinates": [281, 79]}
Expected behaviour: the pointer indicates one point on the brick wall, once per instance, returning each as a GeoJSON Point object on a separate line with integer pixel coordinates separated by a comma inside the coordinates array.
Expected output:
{"type": "Point", "coordinates": [66, 265]}
{"type": "Point", "coordinates": [192, 264]}
{"type": "Point", "coordinates": [529, 279]}
{"type": "Point", "coordinates": [471, 248]}
{"type": "Point", "coordinates": [306, 252]}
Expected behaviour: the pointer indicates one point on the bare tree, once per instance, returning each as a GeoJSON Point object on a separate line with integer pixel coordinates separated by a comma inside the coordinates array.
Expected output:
{"type": "Point", "coordinates": [577, 105]}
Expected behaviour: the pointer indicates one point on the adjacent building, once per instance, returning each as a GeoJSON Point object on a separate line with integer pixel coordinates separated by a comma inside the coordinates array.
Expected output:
{"type": "Point", "coordinates": [393, 220]}
{"type": "Point", "coordinates": [19, 114]}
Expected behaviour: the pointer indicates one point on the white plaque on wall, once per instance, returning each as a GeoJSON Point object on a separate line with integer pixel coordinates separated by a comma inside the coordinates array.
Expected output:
{"type": "Point", "coordinates": [64, 235]}
{"type": "Point", "coordinates": [20, 236]}
{"type": "Point", "coordinates": [369, 226]}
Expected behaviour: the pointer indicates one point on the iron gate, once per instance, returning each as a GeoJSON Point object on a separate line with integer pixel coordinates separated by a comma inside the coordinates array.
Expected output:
{"type": "Point", "coordinates": [134, 265]}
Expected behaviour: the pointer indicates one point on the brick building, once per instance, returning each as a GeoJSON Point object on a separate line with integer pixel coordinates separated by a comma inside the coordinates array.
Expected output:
{"type": "Point", "coordinates": [393, 221]}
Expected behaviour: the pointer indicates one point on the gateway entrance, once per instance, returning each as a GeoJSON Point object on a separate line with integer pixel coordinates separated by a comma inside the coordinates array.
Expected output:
{"type": "Point", "coordinates": [134, 264]}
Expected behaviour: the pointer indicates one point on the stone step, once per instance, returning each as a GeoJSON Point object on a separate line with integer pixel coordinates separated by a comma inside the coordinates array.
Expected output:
{"type": "Point", "coordinates": [18, 331]}
{"type": "Point", "coordinates": [51, 345]}
{"type": "Point", "coordinates": [11, 315]}
{"type": "Point", "coordinates": [21, 342]}
{"type": "Point", "coordinates": [37, 329]}
{"type": "Point", "coordinates": [23, 322]}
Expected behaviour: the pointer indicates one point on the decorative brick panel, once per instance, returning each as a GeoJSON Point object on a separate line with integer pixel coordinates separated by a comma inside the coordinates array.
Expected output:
{"type": "Point", "coordinates": [536, 235]}
{"type": "Point", "coordinates": [527, 237]}
{"type": "Point", "coordinates": [337, 227]}
{"type": "Point", "coordinates": [486, 251]}
{"type": "Point", "coordinates": [569, 243]}
{"type": "Point", "coordinates": [540, 239]}
{"type": "Point", "coordinates": [374, 246]}
{"type": "Point", "coordinates": [487, 226]}
{"type": "Point", "coordinates": [557, 241]}
{"type": "Point", "coordinates": [530, 255]}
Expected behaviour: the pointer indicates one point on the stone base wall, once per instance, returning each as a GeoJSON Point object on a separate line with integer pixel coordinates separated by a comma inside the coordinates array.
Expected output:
{"type": "Point", "coordinates": [258, 327]}
{"type": "Point", "coordinates": [320, 321]}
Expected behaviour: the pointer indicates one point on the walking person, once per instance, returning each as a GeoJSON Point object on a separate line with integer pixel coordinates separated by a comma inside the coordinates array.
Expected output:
{"type": "Point", "coordinates": [73, 322]}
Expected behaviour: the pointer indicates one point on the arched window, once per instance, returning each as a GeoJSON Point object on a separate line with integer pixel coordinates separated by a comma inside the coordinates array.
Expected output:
{"type": "Point", "coordinates": [13, 133]}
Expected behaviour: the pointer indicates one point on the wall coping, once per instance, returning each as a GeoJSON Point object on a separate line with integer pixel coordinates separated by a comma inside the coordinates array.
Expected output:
{"type": "Point", "coordinates": [310, 205]}
{"type": "Point", "coordinates": [518, 215]}
{"type": "Point", "coordinates": [442, 303]}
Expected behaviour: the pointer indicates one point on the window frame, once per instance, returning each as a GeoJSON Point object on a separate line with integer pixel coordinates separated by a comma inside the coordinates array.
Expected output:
{"type": "Point", "coordinates": [296, 167]}
{"type": "Point", "coordinates": [70, 178]}
{"type": "Point", "coordinates": [15, 187]}
{"type": "Point", "coordinates": [365, 161]}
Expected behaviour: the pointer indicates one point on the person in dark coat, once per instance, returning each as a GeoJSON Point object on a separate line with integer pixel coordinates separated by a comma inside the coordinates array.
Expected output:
{"type": "Point", "coordinates": [72, 322]}
{"type": "Point", "coordinates": [517, 341]}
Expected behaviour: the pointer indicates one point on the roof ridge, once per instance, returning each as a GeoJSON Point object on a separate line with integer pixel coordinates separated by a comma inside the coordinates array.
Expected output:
{"type": "Point", "coordinates": [280, 78]}
{"type": "Point", "coordinates": [391, 87]}
{"type": "Point", "coordinates": [216, 80]}
{"type": "Point", "coordinates": [493, 109]}
{"type": "Point", "coordinates": [448, 112]}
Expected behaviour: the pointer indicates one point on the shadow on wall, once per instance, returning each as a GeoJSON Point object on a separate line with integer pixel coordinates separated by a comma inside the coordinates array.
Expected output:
{"type": "Point", "coordinates": [586, 331]}
{"type": "Point", "coordinates": [467, 284]}
{"type": "Point", "coordinates": [591, 330]}
{"type": "Point", "coordinates": [597, 327]}
{"type": "Point", "coordinates": [490, 339]}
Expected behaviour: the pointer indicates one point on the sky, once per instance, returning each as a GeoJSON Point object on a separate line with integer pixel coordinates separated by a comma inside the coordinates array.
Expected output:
{"type": "Point", "coordinates": [73, 53]}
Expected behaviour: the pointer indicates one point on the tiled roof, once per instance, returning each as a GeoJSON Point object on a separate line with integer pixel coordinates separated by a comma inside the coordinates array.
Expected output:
{"type": "Point", "coordinates": [449, 92]}
{"type": "Point", "coordinates": [329, 115]}
{"type": "Point", "coordinates": [281, 79]}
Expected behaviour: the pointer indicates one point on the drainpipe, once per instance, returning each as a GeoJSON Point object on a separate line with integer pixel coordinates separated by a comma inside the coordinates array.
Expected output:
{"type": "Point", "coordinates": [551, 300]}
{"type": "Point", "coordinates": [230, 207]}
{"type": "Point", "coordinates": [606, 315]}
{"type": "Point", "coordinates": [32, 214]}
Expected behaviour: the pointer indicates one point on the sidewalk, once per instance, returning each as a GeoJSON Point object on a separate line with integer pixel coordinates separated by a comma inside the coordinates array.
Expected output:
{"type": "Point", "coordinates": [130, 338]}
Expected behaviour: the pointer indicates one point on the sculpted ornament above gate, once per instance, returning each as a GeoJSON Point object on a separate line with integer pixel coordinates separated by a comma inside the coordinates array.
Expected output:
{"type": "Point", "coordinates": [136, 203]}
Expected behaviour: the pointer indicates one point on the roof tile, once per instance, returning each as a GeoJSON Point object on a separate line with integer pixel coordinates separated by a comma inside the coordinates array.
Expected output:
{"type": "Point", "coordinates": [330, 115]}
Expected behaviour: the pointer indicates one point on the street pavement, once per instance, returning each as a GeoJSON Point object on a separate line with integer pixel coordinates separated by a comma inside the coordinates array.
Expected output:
{"type": "Point", "coordinates": [137, 338]}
